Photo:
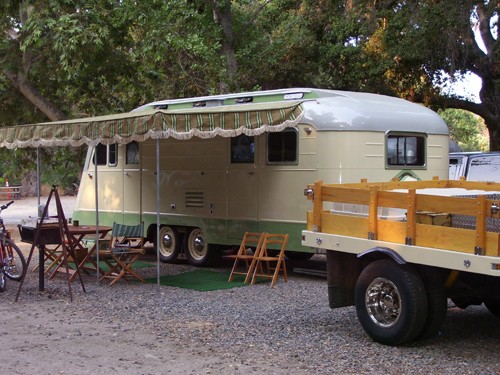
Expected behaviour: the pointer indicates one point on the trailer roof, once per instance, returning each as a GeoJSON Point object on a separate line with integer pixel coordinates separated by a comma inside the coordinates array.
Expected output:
{"type": "Point", "coordinates": [329, 110]}
{"type": "Point", "coordinates": [250, 113]}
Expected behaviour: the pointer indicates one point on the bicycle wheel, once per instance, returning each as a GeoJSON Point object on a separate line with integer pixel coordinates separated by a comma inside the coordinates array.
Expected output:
{"type": "Point", "coordinates": [14, 262]}
{"type": "Point", "coordinates": [3, 282]}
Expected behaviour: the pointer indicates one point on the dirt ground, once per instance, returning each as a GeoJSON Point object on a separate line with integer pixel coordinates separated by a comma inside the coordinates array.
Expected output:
{"type": "Point", "coordinates": [45, 333]}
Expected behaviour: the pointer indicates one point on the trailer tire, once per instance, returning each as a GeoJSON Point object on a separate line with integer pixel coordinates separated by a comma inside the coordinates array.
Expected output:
{"type": "Point", "coordinates": [493, 306]}
{"type": "Point", "coordinates": [391, 303]}
{"type": "Point", "coordinates": [437, 305]}
{"type": "Point", "coordinates": [170, 244]}
{"type": "Point", "coordinates": [198, 252]}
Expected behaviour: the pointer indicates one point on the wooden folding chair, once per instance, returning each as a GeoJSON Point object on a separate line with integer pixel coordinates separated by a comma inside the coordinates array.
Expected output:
{"type": "Point", "coordinates": [52, 258]}
{"type": "Point", "coordinates": [267, 264]}
{"type": "Point", "coordinates": [124, 248]}
{"type": "Point", "coordinates": [250, 245]}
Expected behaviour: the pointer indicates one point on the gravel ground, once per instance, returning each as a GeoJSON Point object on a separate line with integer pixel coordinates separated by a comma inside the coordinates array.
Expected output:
{"type": "Point", "coordinates": [134, 328]}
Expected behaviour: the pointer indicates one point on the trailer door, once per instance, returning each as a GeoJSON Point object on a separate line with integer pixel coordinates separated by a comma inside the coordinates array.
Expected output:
{"type": "Point", "coordinates": [242, 186]}
{"type": "Point", "coordinates": [131, 184]}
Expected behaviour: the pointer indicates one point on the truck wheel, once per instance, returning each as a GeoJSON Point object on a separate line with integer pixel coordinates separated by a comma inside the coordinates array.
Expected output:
{"type": "Point", "coordinates": [198, 252]}
{"type": "Point", "coordinates": [437, 305]}
{"type": "Point", "coordinates": [493, 306]}
{"type": "Point", "coordinates": [390, 302]}
{"type": "Point", "coordinates": [170, 244]}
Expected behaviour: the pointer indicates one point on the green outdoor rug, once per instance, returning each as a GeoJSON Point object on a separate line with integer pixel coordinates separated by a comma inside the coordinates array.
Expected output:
{"type": "Point", "coordinates": [201, 280]}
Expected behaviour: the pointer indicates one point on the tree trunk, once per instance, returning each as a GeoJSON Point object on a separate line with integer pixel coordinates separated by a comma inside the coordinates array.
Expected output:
{"type": "Point", "coordinates": [222, 16]}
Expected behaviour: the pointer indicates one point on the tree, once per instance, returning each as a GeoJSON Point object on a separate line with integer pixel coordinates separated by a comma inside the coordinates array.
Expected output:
{"type": "Point", "coordinates": [466, 129]}
{"type": "Point", "coordinates": [414, 42]}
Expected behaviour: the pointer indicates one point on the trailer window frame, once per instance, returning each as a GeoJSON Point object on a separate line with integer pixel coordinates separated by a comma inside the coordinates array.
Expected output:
{"type": "Point", "coordinates": [406, 150]}
{"type": "Point", "coordinates": [132, 153]}
{"type": "Point", "coordinates": [283, 147]}
{"type": "Point", "coordinates": [243, 149]}
{"type": "Point", "coordinates": [106, 155]}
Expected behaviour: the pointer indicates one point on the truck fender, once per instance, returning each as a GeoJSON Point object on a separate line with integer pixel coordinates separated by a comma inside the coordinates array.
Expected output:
{"type": "Point", "coordinates": [382, 250]}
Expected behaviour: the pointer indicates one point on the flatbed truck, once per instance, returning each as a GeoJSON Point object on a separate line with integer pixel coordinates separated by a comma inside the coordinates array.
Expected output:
{"type": "Point", "coordinates": [399, 250]}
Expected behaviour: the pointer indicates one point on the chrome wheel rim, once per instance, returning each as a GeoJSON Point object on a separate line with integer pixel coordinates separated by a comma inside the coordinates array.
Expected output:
{"type": "Point", "coordinates": [197, 245]}
{"type": "Point", "coordinates": [167, 241]}
{"type": "Point", "coordinates": [383, 302]}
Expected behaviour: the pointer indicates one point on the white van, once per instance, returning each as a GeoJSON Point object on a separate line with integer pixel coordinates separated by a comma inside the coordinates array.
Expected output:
{"type": "Point", "coordinates": [475, 166]}
{"type": "Point", "coordinates": [213, 190]}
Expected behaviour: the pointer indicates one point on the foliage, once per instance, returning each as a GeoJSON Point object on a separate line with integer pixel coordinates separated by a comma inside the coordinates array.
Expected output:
{"type": "Point", "coordinates": [78, 58]}
{"type": "Point", "coordinates": [466, 129]}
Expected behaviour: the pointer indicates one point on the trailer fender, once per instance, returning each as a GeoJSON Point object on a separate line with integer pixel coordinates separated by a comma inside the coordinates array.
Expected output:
{"type": "Point", "coordinates": [373, 252]}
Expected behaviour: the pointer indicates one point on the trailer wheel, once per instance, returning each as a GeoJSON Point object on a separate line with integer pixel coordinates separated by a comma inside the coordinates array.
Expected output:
{"type": "Point", "coordinates": [170, 244]}
{"type": "Point", "coordinates": [198, 252]}
{"type": "Point", "coordinates": [390, 302]}
{"type": "Point", "coordinates": [493, 306]}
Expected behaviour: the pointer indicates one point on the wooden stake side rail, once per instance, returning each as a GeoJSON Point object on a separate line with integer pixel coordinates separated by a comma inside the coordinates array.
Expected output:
{"type": "Point", "coordinates": [412, 230]}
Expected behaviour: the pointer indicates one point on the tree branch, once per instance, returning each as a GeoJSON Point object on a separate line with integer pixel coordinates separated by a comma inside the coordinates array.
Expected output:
{"type": "Point", "coordinates": [484, 28]}
{"type": "Point", "coordinates": [477, 108]}
{"type": "Point", "coordinates": [21, 83]}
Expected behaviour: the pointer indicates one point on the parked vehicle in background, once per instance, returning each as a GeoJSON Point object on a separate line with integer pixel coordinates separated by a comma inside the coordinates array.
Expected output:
{"type": "Point", "coordinates": [475, 166]}
{"type": "Point", "coordinates": [214, 190]}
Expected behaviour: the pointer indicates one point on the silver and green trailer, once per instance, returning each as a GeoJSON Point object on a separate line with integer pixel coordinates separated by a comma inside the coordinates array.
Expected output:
{"type": "Point", "coordinates": [216, 185]}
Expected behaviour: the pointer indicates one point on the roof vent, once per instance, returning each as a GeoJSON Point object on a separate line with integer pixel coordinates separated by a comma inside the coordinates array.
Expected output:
{"type": "Point", "coordinates": [294, 96]}
{"type": "Point", "coordinates": [208, 103]}
{"type": "Point", "coordinates": [161, 106]}
{"type": "Point", "coordinates": [248, 99]}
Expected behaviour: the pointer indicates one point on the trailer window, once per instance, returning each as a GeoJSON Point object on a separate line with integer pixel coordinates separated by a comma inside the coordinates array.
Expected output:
{"type": "Point", "coordinates": [132, 153]}
{"type": "Point", "coordinates": [282, 146]}
{"type": "Point", "coordinates": [105, 155]}
{"type": "Point", "coordinates": [242, 149]}
{"type": "Point", "coordinates": [112, 154]}
{"type": "Point", "coordinates": [405, 150]}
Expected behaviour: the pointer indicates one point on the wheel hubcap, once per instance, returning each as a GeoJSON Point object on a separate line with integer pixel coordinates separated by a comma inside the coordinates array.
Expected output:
{"type": "Point", "coordinates": [383, 302]}
{"type": "Point", "coordinates": [199, 244]}
{"type": "Point", "coordinates": [167, 241]}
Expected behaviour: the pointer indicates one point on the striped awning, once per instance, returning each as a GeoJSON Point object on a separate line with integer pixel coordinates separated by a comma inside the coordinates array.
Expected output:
{"type": "Point", "coordinates": [207, 122]}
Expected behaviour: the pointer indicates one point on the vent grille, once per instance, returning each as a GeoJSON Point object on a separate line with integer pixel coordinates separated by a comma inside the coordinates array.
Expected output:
{"type": "Point", "coordinates": [194, 199]}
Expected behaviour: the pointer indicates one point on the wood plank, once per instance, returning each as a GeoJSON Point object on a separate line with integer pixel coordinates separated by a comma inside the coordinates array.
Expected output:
{"type": "Point", "coordinates": [345, 225]}
{"type": "Point", "coordinates": [392, 231]}
{"type": "Point", "coordinates": [454, 205]}
{"type": "Point", "coordinates": [393, 199]}
{"type": "Point", "coordinates": [346, 195]}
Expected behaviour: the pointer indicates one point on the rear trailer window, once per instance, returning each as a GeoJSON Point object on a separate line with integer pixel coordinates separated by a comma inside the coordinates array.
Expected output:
{"type": "Point", "coordinates": [405, 150]}
{"type": "Point", "coordinates": [282, 147]}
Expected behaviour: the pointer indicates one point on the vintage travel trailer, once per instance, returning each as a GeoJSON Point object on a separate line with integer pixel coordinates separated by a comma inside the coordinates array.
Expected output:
{"type": "Point", "coordinates": [213, 190]}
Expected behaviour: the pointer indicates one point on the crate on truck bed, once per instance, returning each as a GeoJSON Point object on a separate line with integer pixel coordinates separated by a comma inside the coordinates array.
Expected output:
{"type": "Point", "coordinates": [399, 270]}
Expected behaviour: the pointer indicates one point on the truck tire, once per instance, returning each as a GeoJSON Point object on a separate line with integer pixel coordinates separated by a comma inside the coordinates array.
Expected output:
{"type": "Point", "coordinates": [170, 244]}
{"type": "Point", "coordinates": [198, 252]}
{"type": "Point", "coordinates": [391, 303]}
{"type": "Point", "coordinates": [493, 306]}
{"type": "Point", "coordinates": [437, 305]}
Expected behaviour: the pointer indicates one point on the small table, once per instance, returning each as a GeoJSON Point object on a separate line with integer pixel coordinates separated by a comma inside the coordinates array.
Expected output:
{"type": "Point", "coordinates": [79, 233]}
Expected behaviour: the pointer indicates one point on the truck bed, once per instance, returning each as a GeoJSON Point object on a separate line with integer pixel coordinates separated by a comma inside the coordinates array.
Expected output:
{"type": "Point", "coordinates": [458, 216]}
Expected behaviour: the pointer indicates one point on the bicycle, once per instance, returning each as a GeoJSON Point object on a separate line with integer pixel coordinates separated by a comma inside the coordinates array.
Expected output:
{"type": "Point", "coordinates": [12, 261]}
